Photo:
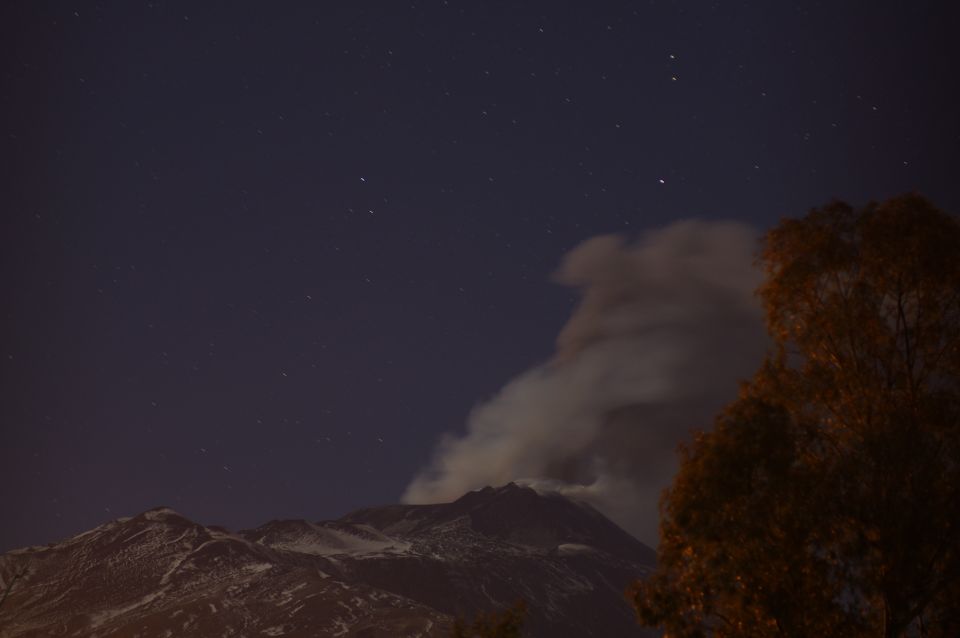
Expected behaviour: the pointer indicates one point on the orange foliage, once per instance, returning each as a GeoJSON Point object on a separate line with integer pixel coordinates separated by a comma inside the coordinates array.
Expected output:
{"type": "Point", "coordinates": [826, 500]}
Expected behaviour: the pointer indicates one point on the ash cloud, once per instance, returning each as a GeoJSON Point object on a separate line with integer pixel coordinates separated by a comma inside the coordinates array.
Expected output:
{"type": "Point", "coordinates": [665, 329]}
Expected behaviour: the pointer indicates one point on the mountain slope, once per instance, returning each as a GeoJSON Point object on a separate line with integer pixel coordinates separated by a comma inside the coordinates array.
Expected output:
{"type": "Point", "coordinates": [393, 571]}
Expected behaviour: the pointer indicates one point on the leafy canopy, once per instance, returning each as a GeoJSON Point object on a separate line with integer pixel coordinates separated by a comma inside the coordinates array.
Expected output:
{"type": "Point", "coordinates": [826, 500]}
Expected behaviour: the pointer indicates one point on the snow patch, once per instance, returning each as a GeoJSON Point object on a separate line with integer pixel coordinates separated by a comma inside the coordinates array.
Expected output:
{"type": "Point", "coordinates": [257, 568]}
{"type": "Point", "coordinates": [330, 541]}
{"type": "Point", "coordinates": [28, 550]}
{"type": "Point", "coordinates": [160, 514]}
{"type": "Point", "coordinates": [342, 627]}
{"type": "Point", "coordinates": [135, 535]}
{"type": "Point", "coordinates": [105, 616]}
{"type": "Point", "coordinates": [570, 549]}
{"type": "Point", "coordinates": [295, 588]}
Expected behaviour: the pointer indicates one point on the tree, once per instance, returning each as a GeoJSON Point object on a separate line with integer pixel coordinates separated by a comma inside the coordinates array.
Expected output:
{"type": "Point", "coordinates": [507, 624]}
{"type": "Point", "coordinates": [826, 500]}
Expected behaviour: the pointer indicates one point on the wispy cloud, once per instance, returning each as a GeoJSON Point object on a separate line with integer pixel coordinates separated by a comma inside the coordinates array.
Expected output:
{"type": "Point", "coordinates": [665, 329]}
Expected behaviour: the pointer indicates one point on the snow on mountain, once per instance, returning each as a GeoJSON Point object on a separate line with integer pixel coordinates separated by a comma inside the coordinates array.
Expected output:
{"type": "Point", "coordinates": [392, 571]}
{"type": "Point", "coordinates": [329, 538]}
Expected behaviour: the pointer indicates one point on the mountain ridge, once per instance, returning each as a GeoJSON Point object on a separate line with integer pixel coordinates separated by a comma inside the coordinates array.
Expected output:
{"type": "Point", "coordinates": [395, 570]}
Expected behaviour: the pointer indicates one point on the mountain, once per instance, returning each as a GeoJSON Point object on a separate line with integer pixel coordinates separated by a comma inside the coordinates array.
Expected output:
{"type": "Point", "coordinates": [383, 572]}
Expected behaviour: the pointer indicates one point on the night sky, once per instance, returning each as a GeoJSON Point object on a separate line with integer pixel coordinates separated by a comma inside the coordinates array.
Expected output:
{"type": "Point", "coordinates": [258, 257]}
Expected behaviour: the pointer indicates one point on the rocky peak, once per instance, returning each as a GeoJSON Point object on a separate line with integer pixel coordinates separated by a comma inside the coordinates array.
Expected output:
{"type": "Point", "coordinates": [397, 571]}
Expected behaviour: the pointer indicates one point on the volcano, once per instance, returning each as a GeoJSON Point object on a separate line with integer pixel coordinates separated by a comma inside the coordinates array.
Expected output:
{"type": "Point", "coordinates": [392, 571]}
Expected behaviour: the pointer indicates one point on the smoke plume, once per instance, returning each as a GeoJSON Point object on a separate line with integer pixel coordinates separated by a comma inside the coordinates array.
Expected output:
{"type": "Point", "coordinates": [665, 329]}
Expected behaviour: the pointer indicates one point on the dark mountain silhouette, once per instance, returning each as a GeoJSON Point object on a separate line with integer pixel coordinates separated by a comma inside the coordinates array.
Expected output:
{"type": "Point", "coordinates": [392, 571]}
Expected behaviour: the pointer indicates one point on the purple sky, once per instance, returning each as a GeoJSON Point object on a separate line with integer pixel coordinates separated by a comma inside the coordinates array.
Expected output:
{"type": "Point", "coordinates": [257, 259]}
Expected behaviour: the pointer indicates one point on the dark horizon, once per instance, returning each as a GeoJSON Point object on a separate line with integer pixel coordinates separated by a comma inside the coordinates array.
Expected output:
{"type": "Point", "coordinates": [259, 262]}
